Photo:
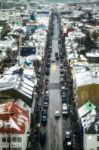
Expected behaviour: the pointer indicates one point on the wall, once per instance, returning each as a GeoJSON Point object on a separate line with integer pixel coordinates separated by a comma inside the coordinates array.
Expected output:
{"type": "Point", "coordinates": [88, 92]}
{"type": "Point", "coordinates": [18, 144]}
{"type": "Point", "coordinates": [90, 142]}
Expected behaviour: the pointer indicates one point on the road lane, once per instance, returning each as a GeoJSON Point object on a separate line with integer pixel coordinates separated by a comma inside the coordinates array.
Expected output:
{"type": "Point", "coordinates": [54, 127]}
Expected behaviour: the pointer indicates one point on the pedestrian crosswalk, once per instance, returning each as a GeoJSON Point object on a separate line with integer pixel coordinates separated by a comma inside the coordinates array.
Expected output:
{"type": "Point", "coordinates": [54, 86]}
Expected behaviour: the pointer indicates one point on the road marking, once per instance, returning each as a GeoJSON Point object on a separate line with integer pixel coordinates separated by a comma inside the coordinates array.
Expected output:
{"type": "Point", "coordinates": [54, 85]}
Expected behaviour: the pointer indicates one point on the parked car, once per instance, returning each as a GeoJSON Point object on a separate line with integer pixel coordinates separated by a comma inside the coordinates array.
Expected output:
{"type": "Point", "coordinates": [64, 109]}
{"type": "Point", "coordinates": [63, 88]}
{"type": "Point", "coordinates": [44, 117]}
{"type": "Point", "coordinates": [56, 56]}
{"type": "Point", "coordinates": [61, 80]}
{"type": "Point", "coordinates": [43, 138]}
{"type": "Point", "coordinates": [61, 66]}
{"type": "Point", "coordinates": [64, 99]}
{"type": "Point", "coordinates": [46, 98]}
{"type": "Point", "coordinates": [47, 71]}
{"type": "Point", "coordinates": [48, 64]}
{"type": "Point", "coordinates": [45, 105]}
{"type": "Point", "coordinates": [68, 140]}
{"type": "Point", "coordinates": [46, 81]}
{"type": "Point", "coordinates": [61, 71]}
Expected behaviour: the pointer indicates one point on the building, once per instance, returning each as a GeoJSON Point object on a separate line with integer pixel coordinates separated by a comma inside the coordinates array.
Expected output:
{"type": "Point", "coordinates": [18, 83]}
{"type": "Point", "coordinates": [87, 87]}
{"type": "Point", "coordinates": [14, 126]}
{"type": "Point", "coordinates": [89, 124]}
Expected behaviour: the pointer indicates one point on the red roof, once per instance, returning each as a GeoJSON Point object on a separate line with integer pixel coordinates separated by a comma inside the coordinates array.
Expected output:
{"type": "Point", "coordinates": [13, 119]}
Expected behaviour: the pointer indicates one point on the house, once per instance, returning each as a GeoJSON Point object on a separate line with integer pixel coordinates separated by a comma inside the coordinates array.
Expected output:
{"type": "Point", "coordinates": [14, 126]}
{"type": "Point", "coordinates": [89, 124]}
{"type": "Point", "coordinates": [17, 82]}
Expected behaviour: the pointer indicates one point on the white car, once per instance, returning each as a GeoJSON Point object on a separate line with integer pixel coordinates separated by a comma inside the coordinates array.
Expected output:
{"type": "Point", "coordinates": [57, 114]}
{"type": "Point", "coordinates": [53, 60]}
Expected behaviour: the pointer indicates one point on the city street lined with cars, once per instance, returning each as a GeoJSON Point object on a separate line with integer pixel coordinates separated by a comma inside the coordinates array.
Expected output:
{"type": "Point", "coordinates": [55, 102]}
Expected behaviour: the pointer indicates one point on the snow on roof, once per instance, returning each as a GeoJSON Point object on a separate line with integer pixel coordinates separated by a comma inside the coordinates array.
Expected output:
{"type": "Point", "coordinates": [23, 82]}
{"type": "Point", "coordinates": [23, 105]}
{"type": "Point", "coordinates": [87, 77]}
{"type": "Point", "coordinates": [7, 82]}
{"type": "Point", "coordinates": [92, 55]}
{"type": "Point", "coordinates": [76, 34]}
{"type": "Point", "coordinates": [13, 119]}
{"type": "Point", "coordinates": [6, 43]}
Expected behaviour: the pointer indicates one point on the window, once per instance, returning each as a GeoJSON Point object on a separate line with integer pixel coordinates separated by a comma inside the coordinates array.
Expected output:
{"type": "Point", "coordinates": [16, 148]}
{"type": "Point", "coordinates": [97, 138]}
{"type": "Point", "coordinates": [19, 148]}
{"type": "Point", "coordinates": [3, 139]}
{"type": "Point", "coordinates": [19, 139]}
{"type": "Point", "coordinates": [13, 139]}
{"type": "Point", "coordinates": [3, 148]}
{"type": "Point", "coordinates": [8, 139]}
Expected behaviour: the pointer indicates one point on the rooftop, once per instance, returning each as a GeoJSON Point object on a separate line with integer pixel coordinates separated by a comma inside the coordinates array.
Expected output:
{"type": "Point", "coordinates": [13, 119]}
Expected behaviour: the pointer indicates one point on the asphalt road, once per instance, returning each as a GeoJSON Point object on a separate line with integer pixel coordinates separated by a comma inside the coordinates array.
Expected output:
{"type": "Point", "coordinates": [55, 129]}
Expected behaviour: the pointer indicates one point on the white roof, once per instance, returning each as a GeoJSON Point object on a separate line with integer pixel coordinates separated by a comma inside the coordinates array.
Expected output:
{"type": "Point", "coordinates": [92, 54]}
{"type": "Point", "coordinates": [87, 77]}
{"type": "Point", "coordinates": [24, 84]}
{"type": "Point", "coordinates": [76, 34]}
{"type": "Point", "coordinates": [6, 43]}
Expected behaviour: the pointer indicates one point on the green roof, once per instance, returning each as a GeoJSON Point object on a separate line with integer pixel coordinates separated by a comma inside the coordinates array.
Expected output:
{"type": "Point", "coordinates": [87, 107]}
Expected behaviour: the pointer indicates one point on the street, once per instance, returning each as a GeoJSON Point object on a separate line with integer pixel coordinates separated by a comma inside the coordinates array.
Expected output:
{"type": "Point", "coordinates": [55, 128]}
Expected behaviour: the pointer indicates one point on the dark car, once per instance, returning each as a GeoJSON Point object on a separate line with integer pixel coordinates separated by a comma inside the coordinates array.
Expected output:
{"type": "Point", "coordinates": [64, 99]}
{"type": "Point", "coordinates": [48, 64]}
{"type": "Point", "coordinates": [56, 56]}
{"type": "Point", "coordinates": [43, 138]}
{"type": "Point", "coordinates": [61, 66]}
{"type": "Point", "coordinates": [47, 71]}
{"type": "Point", "coordinates": [44, 117]}
{"type": "Point", "coordinates": [68, 140]}
{"type": "Point", "coordinates": [61, 71]}
{"type": "Point", "coordinates": [46, 81]}
{"type": "Point", "coordinates": [46, 98]}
